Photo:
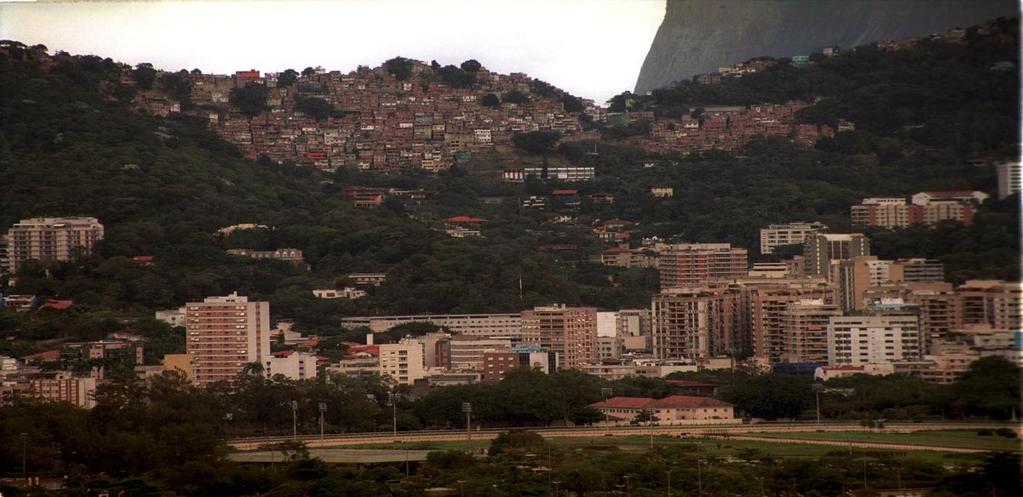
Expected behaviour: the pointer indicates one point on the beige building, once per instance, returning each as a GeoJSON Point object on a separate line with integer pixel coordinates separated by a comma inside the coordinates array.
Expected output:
{"type": "Point", "coordinates": [887, 212]}
{"type": "Point", "coordinates": [768, 301]}
{"type": "Point", "coordinates": [224, 334]}
{"type": "Point", "coordinates": [996, 303]}
{"type": "Point", "coordinates": [181, 363]}
{"type": "Point", "coordinates": [291, 364]}
{"type": "Point", "coordinates": [672, 410]}
{"type": "Point", "coordinates": [571, 332]}
{"type": "Point", "coordinates": [51, 239]}
{"type": "Point", "coordinates": [777, 235]}
{"type": "Point", "coordinates": [695, 264]}
{"type": "Point", "coordinates": [821, 249]}
{"type": "Point", "coordinates": [465, 352]}
{"type": "Point", "coordinates": [402, 362]}
{"type": "Point", "coordinates": [485, 325]}
{"type": "Point", "coordinates": [806, 330]}
{"type": "Point", "coordinates": [1009, 178]}
{"type": "Point", "coordinates": [694, 323]}
{"type": "Point", "coordinates": [62, 387]}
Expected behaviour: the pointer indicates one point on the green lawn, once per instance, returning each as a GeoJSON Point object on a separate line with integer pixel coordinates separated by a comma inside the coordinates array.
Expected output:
{"type": "Point", "coordinates": [966, 439]}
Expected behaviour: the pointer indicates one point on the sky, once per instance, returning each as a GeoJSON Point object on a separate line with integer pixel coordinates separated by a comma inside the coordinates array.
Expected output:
{"type": "Point", "coordinates": [591, 48]}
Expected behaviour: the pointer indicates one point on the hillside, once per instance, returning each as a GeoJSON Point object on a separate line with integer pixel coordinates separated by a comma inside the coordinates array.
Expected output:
{"type": "Point", "coordinates": [699, 36]}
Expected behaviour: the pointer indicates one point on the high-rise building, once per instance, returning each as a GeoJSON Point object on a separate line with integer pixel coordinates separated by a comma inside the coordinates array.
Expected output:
{"type": "Point", "coordinates": [937, 302]}
{"type": "Point", "coordinates": [768, 302]}
{"type": "Point", "coordinates": [570, 332]}
{"type": "Point", "coordinates": [1008, 178]}
{"type": "Point", "coordinates": [882, 336]}
{"type": "Point", "coordinates": [918, 270]}
{"type": "Point", "coordinates": [776, 235]}
{"type": "Point", "coordinates": [925, 208]}
{"type": "Point", "coordinates": [695, 323]}
{"type": "Point", "coordinates": [51, 239]}
{"type": "Point", "coordinates": [823, 248]}
{"type": "Point", "coordinates": [806, 330]}
{"type": "Point", "coordinates": [633, 323]}
{"type": "Point", "coordinates": [224, 334]}
{"type": "Point", "coordinates": [696, 264]}
{"type": "Point", "coordinates": [466, 351]}
{"type": "Point", "coordinates": [998, 304]}
{"type": "Point", "coordinates": [886, 212]}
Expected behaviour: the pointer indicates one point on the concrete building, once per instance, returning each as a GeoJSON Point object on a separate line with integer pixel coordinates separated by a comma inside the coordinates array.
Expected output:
{"type": "Point", "coordinates": [484, 325]}
{"type": "Point", "coordinates": [918, 270]}
{"type": "Point", "coordinates": [51, 239]}
{"type": "Point", "coordinates": [181, 363]}
{"type": "Point", "coordinates": [497, 364]}
{"type": "Point", "coordinates": [291, 364]}
{"type": "Point", "coordinates": [347, 292]}
{"type": "Point", "coordinates": [63, 387]}
{"type": "Point", "coordinates": [173, 317]}
{"type": "Point", "coordinates": [879, 337]}
{"type": "Point", "coordinates": [671, 410]}
{"type": "Point", "coordinates": [633, 323]}
{"type": "Point", "coordinates": [610, 347]}
{"type": "Point", "coordinates": [996, 303]}
{"type": "Point", "coordinates": [776, 235]}
{"type": "Point", "coordinates": [607, 323]}
{"type": "Point", "coordinates": [1008, 174]}
{"type": "Point", "coordinates": [768, 301]}
{"type": "Point", "coordinates": [570, 332]}
{"type": "Point", "coordinates": [821, 249]}
{"type": "Point", "coordinates": [806, 330]}
{"type": "Point", "coordinates": [466, 351]}
{"type": "Point", "coordinates": [695, 264]}
{"type": "Point", "coordinates": [224, 334]}
{"type": "Point", "coordinates": [402, 362]}
{"type": "Point", "coordinates": [693, 323]}
{"type": "Point", "coordinates": [887, 212]}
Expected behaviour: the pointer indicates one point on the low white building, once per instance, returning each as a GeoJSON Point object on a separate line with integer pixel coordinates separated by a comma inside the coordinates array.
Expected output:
{"type": "Point", "coordinates": [874, 339]}
{"type": "Point", "coordinates": [675, 409]}
{"type": "Point", "coordinates": [173, 317]}
{"type": "Point", "coordinates": [347, 292]}
{"type": "Point", "coordinates": [293, 365]}
{"type": "Point", "coordinates": [403, 361]}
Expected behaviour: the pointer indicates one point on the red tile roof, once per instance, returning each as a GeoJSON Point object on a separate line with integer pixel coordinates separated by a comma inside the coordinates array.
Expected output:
{"type": "Point", "coordinates": [466, 219]}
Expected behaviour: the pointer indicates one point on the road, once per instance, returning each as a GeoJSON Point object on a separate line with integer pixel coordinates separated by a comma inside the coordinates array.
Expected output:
{"type": "Point", "coordinates": [729, 430]}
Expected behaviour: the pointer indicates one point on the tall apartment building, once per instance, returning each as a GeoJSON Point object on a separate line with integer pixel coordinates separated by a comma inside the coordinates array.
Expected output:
{"type": "Point", "coordinates": [876, 338]}
{"type": "Point", "coordinates": [1009, 179]}
{"type": "Point", "coordinates": [998, 304]}
{"type": "Point", "coordinates": [768, 301]}
{"type": "Point", "coordinates": [696, 264]}
{"type": "Point", "coordinates": [50, 239]}
{"type": "Point", "coordinates": [776, 235]}
{"type": "Point", "coordinates": [224, 334]}
{"type": "Point", "coordinates": [402, 361]}
{"type": "Point", "coordinates": [937, 302]}
{"type": "Point", "coordinates": [63, 387]}
{"type": "Point", "coordinates": [695, 323]}
{"type": "Point", "coordinates": [570, 332]}
{"type": "Point", "coordinates": [821, 249]}
{"type": "Point", "coordinates": [806, 330]}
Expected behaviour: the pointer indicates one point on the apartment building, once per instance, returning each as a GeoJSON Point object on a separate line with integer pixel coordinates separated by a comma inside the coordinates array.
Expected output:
{"type": "Point", "coordinates": [924, 208]}
{"type": "Point", "coordinates": [51, 239]}
{"type": "Point", "coordinates": [887, 212]}
{"type": "Point", "coordinates": [768, 301]}
{"type": "Point", "coordinates": [693, 323]}
{"type": "Point", "coordinates": [777, 235]}
{"type": "Point", "coordinates": [465, 352]}
{"type": "Point", "coordinates": [224, 334]}
{"type": "Point", "coordinates": [497, 364]}
{"type": "Point", "coordinates": [570, 332]}
{"type": "Point", "coordinates": [291, 364]}
{"type": "Point", "coordinates": [696, 264]}
{"type": "Point", "coordinates": [996, 303]}
{"type": "Point", "coordinates": [937, 302]}
{"type": "Point", "coordinates": [402, 362]}
{"type": "Point", "coordinates": [821, 249]}
{"type": "Point", "coordinates": [878, 337]}
{"type": "Point", "coordinates": [1009, 178]}
{"type": "Point", "coordinates": [63, 387]}
{"type": "Point", "coordinates": [806, 330]}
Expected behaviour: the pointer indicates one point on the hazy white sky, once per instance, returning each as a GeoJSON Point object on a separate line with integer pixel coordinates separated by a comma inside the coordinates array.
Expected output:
{"type": "Point", "coordinates": [592, 48]}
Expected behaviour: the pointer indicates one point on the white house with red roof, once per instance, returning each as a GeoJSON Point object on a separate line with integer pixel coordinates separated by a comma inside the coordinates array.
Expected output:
{"type": "Point", "coordinates": [671, 410]}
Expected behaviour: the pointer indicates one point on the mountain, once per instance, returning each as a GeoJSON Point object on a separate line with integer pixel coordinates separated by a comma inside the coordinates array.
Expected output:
{"type": "Point", "coordinates": [699, 36]}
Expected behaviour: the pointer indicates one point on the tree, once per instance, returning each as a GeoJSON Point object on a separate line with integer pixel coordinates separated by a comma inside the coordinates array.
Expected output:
{"type": "Point", "coordinates": [770, 396]}
{"type": "Point", "coordinates": [317, 108]}
{"type": "Point", "coordinates": [455, 77]}
{"type": "Point", "coordinates": [516, 97]}
{"type": "Point", "coordinates": [144, 75]}
{"type": "Point", "coordinates": [309, 71]}
{"type": "Point", "coordinates": [515, 440]}
{"type": "Point", "coordinates": [990, 387]}
{"type": "Point", "coordinates": [471, 65]}
{"type": "Point", "coordinates": [536, 142]}
{"type": "Point", "coordinates": [399, 67]}
{"type": "Point", "coordinates": [572, 104]}
{"type": "Point", "coordinates": [287, 78]}
{"type": "Point", "coordinates": [249, 99]}
{"type": "Point", "coordinates": [491, 100]}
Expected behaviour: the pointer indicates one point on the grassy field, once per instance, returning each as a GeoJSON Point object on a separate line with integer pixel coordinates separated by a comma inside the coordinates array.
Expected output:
{"type": "Point", "coordinates": [729, 448]}
{"type": "Point", "coordinates": [949, 438]}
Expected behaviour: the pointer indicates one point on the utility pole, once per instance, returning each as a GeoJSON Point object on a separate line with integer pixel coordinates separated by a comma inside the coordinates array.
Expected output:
{"type": "Point", "coordinates": [699, 472]}
{"type": "Point", "coordinates": [606, 393]}
{"type": "Point", "coordinates": [393, 398]}
{"type": "Point", "coordinates": [24, 456]}
{"type": "Point", "coordinates": [323, 410]}
{"type": "Point", "coordinates": [628, 488]}
{"type": "Point", "coordinates": [294, 419]}
{"type": "Point", "coordinates": [817, 387]}
{"type": "Point", "coordinates": [467, 409]}
{"type": "Point", "coordinates": [669, 483]}
{"type": "Point", "coordinates": [550, 467]}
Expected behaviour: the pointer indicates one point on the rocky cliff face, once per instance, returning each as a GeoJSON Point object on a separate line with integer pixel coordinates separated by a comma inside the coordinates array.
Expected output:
{"type": "Point", "coordinates": [698, 36]}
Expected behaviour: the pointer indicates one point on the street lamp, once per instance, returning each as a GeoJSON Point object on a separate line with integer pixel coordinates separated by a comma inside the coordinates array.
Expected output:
{"type": "Point", "coordinates": [556, 483]}
{"type": "Point", "coordinates": [24, 456]}
{"type": "Point", "coordinates": [628, 489]}
{"type": "Point", "coordinates": [606, 393]}
{"type": "Point", "coordinates": [818, 387]}
{"type": "Point", "coordinates": [467, 409]}
{"type": "Point", "coordinates": [669, 483]}
{"type": "Point", "coordinates": [294, 419]}
{"type": "Point", "coordinates": [392, 398]}
{"type": "Point", "coordinates": [323, 410]}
